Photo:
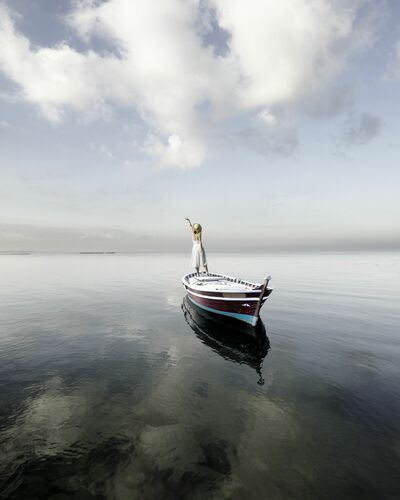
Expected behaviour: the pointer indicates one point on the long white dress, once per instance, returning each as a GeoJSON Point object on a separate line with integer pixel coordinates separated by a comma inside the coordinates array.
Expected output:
{"type": "Point", "coordinates": [198, 255]}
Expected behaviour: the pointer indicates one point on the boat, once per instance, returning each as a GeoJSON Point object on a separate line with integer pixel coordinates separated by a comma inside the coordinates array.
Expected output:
{"type": "Point", "coordinates": [227, 339]}
{"type": "Point", "coordinates": [227, 296]}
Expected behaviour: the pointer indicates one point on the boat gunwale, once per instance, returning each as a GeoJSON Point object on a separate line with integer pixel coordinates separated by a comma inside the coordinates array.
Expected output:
{"type": "Point", "coordinates": [255, 293]}
{"type": "Point", "coordinates": [256, 287]}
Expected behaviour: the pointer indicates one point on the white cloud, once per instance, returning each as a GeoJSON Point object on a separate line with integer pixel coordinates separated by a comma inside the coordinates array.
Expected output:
{"type": "Point", "coordinates": [174, 151]}
{"type": "Point", "coordinates": [53, 78]}
{"type": "Point", "coordinates": [267, 117]}
{"type": "Point", "coordinates": [277, 53]}
{"type": "Point", "coordinates": [288, 49]}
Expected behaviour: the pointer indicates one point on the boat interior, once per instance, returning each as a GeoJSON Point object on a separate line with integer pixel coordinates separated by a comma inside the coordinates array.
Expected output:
{"type": "Point", "coordinates": [219, 282]}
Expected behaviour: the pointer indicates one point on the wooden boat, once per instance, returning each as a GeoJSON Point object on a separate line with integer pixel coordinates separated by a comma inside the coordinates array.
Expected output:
{"type": "Point", "coordinates": [227, 296]}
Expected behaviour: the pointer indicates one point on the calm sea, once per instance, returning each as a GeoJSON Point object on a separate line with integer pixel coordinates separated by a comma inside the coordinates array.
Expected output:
{"type": "Point", "coordinates": [110, 390]}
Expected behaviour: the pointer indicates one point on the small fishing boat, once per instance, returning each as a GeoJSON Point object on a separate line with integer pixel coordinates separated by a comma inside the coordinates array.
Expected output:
{"type": "Point", "coordinates": [227, 296]}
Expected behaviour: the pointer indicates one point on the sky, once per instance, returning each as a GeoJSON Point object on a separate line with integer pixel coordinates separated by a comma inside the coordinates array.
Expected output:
{"type": "Point", "coordinates": [273, 124]}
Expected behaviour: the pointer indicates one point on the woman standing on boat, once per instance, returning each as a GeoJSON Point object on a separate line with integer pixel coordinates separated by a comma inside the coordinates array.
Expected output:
{"type": "Point", "coordinates": [198, 253]}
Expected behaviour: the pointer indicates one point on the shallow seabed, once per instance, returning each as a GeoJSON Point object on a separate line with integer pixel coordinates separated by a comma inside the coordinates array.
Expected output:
{"type": "Point", "coordinates": [109, 389]}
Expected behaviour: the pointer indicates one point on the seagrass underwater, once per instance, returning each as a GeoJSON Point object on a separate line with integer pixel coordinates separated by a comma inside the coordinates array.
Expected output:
{"type": "Point", "coordinates": [111, 387]}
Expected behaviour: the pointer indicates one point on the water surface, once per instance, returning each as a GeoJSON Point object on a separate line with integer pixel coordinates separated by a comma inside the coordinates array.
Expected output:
{"type": "Point", "coordinates": [109, 390]}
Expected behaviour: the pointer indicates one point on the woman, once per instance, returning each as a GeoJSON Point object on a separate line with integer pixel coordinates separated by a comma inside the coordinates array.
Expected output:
{"type": "Point", "coordinates": [198, 253]}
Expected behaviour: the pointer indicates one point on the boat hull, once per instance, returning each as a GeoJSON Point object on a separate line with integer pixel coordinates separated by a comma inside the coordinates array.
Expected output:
{"type": "Point", "coordinates": [226, 296]}
{"type": "Point", "coordinates": [241, 310]}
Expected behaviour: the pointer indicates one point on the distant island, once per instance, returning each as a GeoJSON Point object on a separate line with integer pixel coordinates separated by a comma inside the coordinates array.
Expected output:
{"type": "Point", "coordinates": [17, 252]}
{"type": "Point", "coordinates": [96, 253]}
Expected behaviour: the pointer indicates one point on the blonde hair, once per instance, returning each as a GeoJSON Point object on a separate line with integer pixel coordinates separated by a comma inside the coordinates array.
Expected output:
{"type": "Point", "coordinates": [196, 229]}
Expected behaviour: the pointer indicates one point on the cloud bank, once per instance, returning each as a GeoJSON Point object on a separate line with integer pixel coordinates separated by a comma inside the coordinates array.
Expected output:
{"type": "Point", "coordinates": [188, 68]}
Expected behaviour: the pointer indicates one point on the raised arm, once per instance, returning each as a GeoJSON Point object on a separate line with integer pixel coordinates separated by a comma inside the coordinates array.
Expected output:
{"type": "Point", "coordinates": [187, 218]}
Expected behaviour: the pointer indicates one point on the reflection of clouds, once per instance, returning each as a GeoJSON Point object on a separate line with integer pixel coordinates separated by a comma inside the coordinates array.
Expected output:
{"type": "Point", "coordinates": [171, 446]}
{"type": "Point", "coordinates": [173, 354]}
{"type": "Point", "coordinates": [73, 430]}
{"type": "Point", "coordinates": [49, 426]}
{"type": "Point", "coordinates": [66, 416]}
{"type": "Point", "coordinates": [53, 419]}
{"type": "Point", "coordinates": [266, 446]}
{"type": "Point", "coordinates": [146, 419]}
{"type": "Point", "coordinates": [167, 414]}
{"type": "Point", "coordinates": [127, 332]}
{"type": "Point", "coordinates": [174, 299]}
{"type": "Point", "coordinates": [150, 429]}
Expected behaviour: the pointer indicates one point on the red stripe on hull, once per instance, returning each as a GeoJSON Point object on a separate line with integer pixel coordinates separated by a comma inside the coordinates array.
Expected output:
{"type": "Point", "coordinates": [232, 306]}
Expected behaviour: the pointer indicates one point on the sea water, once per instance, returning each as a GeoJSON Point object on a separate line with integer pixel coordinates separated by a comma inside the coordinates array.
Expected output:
{"type": "Point", "coordinates": [109, 389]}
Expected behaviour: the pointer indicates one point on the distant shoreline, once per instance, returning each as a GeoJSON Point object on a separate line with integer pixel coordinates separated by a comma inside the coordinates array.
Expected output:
{"type": "Point", "coordinates": [270, 251]}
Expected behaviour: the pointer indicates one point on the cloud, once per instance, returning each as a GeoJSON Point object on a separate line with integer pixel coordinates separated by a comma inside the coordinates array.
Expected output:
{"type": "Point", "coordinates": [361, 129]}
{"type": "Point", "coordinates": [270, 135]}
{"type": "Point", "coordinates": [292, 48]}
{"type": "Point", "coordinates": [188, 67]}
{"type": "Point", "coordinates": [173, 151]}
{"type": "Point", "coordinates": [52, 78]}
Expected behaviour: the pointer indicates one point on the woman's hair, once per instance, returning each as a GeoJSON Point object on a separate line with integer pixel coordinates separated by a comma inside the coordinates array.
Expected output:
{"type": "Point", "coordinates": [196, 228]}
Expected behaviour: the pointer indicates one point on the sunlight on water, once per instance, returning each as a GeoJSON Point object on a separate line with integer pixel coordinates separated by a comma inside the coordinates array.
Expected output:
{"type": "Point", "coordinates": [112, 388]}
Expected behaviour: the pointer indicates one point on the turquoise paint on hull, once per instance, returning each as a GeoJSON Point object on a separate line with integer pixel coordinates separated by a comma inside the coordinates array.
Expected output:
{"type": "Point", "coordinates": [250, 320]}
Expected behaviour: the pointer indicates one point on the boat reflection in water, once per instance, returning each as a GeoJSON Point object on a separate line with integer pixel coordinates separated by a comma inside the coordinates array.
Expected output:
{"type": "Point", "coordinates": [232, 340]}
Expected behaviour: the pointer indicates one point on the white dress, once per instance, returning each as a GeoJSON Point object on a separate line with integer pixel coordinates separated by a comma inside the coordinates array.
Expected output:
{"type": "Point", "coordinates": [198, 255]}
